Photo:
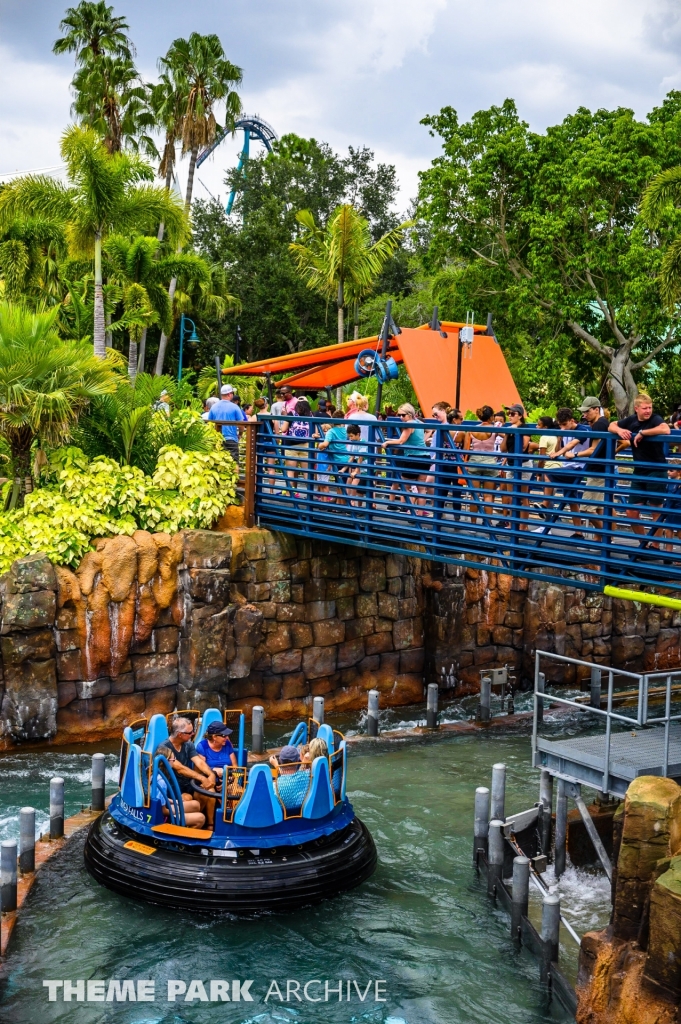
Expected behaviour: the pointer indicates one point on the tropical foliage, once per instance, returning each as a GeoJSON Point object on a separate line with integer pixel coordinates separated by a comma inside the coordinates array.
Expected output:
{"type": "Point", "coordinates": [80, 500]}
{"type": "Point", "coordinates": [45, 383]}
{"type": "Point", "coordinates": [104, 193]}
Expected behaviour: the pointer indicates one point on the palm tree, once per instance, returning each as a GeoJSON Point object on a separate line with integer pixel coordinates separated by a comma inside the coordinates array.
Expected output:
{"type": "Point", "coordinates": [45, 383]}
{"type": "Point", "coordinates": [168, 102]}
{"type": "Point", "coordinates": [201, 76]}
{"type": "Point", "coordinates": [200, 71]}
{"type": "Point", "coordinates": [30, 250]}
{"type": "Point", "coordinates": [661, 198]}
{"type": "Point", "coordinates": [341, 262]}
{"type": "Point", "coordinates": [105, 193]}
{"type": "Point", "coordinates": [143, 274]}
{"type": "Point", "coordinates": [90, 31]}
{"type": "Point", "coordinates": [109, 95]}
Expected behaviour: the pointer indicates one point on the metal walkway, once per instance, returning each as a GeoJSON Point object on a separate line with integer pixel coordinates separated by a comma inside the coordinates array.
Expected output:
{"type": "Point", "coordinates": [508, 514]}
{"type": "Point", "coordinates": [582, 759]}
{"type": "Point", "coordinates": [644, 744]}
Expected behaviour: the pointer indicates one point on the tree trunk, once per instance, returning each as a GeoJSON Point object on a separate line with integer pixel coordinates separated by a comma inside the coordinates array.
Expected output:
{"type": "Point", "coordinates": [142, 351]}
{"type": "Point", "coordinates": [356, 330]}
{"type": "Point", "coordinates": [621, 383]}
{"type": "Point", "coordinates": [100, 327]}
{"type": "Point", "coordinates": [160, 358]}
{"type": "Point", "coordinates": [341, 339]}
{"type": "Point", "coordinates": [190, 179]}
{"type": "Point", "coordinates": [109, 332]}
{"type": "Point", "coordinates": [341, 326]}
{"type": "Point", "coordinates": [132, 360]}
{"type": "Point", "coordinates": [169, 178]}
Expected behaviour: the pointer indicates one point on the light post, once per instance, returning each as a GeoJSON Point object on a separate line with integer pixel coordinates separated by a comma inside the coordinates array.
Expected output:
{"type": "Point", "coordinates": [192, 340]}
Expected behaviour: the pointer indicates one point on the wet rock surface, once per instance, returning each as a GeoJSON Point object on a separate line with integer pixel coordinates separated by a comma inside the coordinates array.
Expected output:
{"type": "Point", "coordinates": [630, 973]}
{"type": "Point", "coordinates": [243, 616]}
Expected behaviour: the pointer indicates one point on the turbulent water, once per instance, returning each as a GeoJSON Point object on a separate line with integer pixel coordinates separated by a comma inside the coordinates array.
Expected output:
{"type": "Point", "coordinates": [422, 926]}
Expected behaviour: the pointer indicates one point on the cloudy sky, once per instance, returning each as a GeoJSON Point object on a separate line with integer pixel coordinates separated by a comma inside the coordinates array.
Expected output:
{"type": "Point", "coordinates": [362, 71]}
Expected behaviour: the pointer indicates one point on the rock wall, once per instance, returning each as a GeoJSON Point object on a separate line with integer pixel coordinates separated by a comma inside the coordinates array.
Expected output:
{"type": "Point", "coordinates": [476, 619]}
{"type": "Point", "coordinates": [630, 973]}
{"type": "Point", "coordinates": [152, 622]}
{"type": "Point", "coordinates": [235, 617]}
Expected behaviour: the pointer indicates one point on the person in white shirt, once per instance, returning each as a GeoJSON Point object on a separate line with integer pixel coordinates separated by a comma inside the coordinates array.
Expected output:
{"type": "Point", "coordinates": [360, 412]}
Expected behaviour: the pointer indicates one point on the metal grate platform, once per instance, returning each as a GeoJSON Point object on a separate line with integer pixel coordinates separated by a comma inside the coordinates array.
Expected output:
{"type": "Point", "coordinates": [639, 752]}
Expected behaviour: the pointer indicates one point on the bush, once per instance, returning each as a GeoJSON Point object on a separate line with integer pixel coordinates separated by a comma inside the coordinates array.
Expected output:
{"type": "Point", "coordinates": [80, 500]}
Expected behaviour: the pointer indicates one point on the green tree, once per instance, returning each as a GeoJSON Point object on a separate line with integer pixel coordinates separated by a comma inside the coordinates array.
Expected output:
{"type": "Point", "coordinates": [45, 383]}
{"type": "Point", "coordinates": [201, 77]}
{"type": "Point", "coordinates": [545, 229]}
{"type": "Point", "coordinates": [139, 267]}
{"type": "Point", "coordinates": [30, 251]}
{"type": "Point", "coordinates": [279, 313]}
{"type": "Point", "coordinates": [661, 210]}
{"type": "Point", "coordinates": [109, 94]}
{"type": "Point", "coordinates": [341, 262]}
{"type": "Point", "coordinates": [168, 101]}
{"type": "Point", "coordinates": [201, 73]}
{"type": "Point", "coordinates": [104, 193]}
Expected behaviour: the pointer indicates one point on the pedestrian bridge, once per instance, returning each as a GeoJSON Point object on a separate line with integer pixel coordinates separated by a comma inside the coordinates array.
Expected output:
{"type": "Point", "coordinates": [594, 524]}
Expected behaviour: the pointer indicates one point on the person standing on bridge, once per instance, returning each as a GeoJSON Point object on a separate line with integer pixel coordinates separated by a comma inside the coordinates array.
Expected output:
{"type": "Point", "coordinates": [643, 431]}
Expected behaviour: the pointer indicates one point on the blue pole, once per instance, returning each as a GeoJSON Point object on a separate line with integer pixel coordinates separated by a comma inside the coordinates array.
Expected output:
{"type": "Point", "coordinates": [242, 730]}
{"type": "Point", "coordinates": [179, 368]}
{"type": "Point", "coordinates": [242, 159]}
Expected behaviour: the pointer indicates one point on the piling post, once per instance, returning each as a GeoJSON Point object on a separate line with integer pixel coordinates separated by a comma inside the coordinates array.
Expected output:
{"type": "Point", "coordinates": [8, 875]}
{"type": "Point", "coordinates": [98, 776]}
{"type": "Point", "coordinates": [26, 840]}
{"type": "Point", "coordinates": [550, 931]}
{"type": "Point", "coordinates": [258, 729]}
{"type": "Point", "coordinates": [561, 828]}
{"type": "Point", "coordinates": [521, 894]}
{"type": "Point", "coordinates": [481, 823]}
{"type": "Point", "coordinates": [546, 800]}
{"type": "Point", "coordinates": [540, 688]}
{"type": "Point", "coordinates": [498, 800]}
{"type": "Point", "coordinates": [431, 706]}
{"type": "Point", "coordinates": [372, 713]}
{"type": "Point", "coordinates": [56, 808]}
{"type": "Point", "coordinates": [485, 698]}
{"type": "Point", "coordinates": [495, 855]}
{"type": "Point", "coordinates": [595, 699]}
{"type": "Point", "coordinates": [318, 709]}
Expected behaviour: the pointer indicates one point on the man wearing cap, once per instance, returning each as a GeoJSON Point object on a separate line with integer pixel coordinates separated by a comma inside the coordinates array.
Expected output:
{"type": "Point", "coordinates": [594, 485]}
{"type": "Point", "coordinates": [291, 781]}
{"type": "Point", "coordinates": [216, 748]}
{"type": "Point", "coordinates": [226, 409]}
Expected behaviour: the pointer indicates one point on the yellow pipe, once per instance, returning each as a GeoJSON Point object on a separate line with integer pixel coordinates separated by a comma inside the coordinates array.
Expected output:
{"type": "Point", "coordinates": [635, 595]}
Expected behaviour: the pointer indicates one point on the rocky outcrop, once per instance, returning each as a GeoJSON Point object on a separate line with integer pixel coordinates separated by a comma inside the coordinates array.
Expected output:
{"type": "Point", "coordinates": [631, 972]}
{"type": "Point", "coordinates": [477, 618]}
{"type": "Point", "coordinates": [29, 677]}
{"type": "Point", "coordinates": [240, 616]}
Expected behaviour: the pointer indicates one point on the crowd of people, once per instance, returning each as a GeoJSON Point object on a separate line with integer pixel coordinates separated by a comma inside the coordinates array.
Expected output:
{"type": "Point", "coordinates": [479, 470]}
{"type": "Point", "coordinates": [204, 763]}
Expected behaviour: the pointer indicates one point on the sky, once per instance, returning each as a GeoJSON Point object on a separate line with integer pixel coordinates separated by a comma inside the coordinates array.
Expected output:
{"type": "Point", "coordinates": [361, 72]}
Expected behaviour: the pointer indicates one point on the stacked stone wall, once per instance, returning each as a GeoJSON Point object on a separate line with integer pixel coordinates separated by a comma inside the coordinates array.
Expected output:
{"type": "Point", "coordinates": [237, 617]}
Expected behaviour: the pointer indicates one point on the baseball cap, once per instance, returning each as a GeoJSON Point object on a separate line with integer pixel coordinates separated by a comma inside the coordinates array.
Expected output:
{"type": "Point", "coordinates": [218, 729]}
{"type": "Point", "coordinates": [590, 402]}
{"type": "Point", "coordinates": [288, 755]}
{"type": "Point", "coordinates": [226, 389]}
{"type": "Point", "coordinates": [516, 408]}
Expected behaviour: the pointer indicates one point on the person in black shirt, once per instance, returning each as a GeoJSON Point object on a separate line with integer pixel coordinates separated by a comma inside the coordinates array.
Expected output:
{"type": "Point", "coordinates": [189, 765]}
{"type": "Point", "coordinates": [594, 484]}
{"type": "Point", "coordinates": [649, 482]}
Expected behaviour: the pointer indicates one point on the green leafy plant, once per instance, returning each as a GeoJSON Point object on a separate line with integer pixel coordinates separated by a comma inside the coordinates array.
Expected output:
{"type": "Point", "coordinates": [80, 500]}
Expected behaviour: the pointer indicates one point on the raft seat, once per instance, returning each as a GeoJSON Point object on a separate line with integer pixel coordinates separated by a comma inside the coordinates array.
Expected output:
{"type": "Point", "coordinates": [208, 716]}
{"type": "Point", "coordinates": [259, 807]}
{"type": "Point", "coordinates": [182, 831]}
{"type": "Point", "coordinates": [325, 732]}
{"type": "Point", "coordinates": [319, 800]}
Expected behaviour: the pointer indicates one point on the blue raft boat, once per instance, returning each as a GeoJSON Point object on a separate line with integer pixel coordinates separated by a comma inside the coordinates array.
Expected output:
{"type": "Point", "coordinates": [264, 853]}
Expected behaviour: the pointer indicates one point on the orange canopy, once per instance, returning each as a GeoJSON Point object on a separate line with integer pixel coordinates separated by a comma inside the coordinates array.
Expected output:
{"type": "Point", "coordinates": [430, 360]}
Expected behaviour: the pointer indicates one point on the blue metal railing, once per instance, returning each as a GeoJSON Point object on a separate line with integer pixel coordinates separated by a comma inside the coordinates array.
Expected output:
{"type": "Point", "coordinates": [597, 521]}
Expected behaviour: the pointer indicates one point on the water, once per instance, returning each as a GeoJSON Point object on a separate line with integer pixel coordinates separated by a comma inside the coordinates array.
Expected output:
{"type": "Point", "coordinates": [422, 924]}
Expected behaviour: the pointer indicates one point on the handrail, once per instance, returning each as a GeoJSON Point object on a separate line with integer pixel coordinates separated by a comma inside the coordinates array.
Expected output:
{"type": "Point", "coordinates": [509, 513]}
{"type": "Point", "coordinates": [641, 720]}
